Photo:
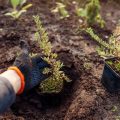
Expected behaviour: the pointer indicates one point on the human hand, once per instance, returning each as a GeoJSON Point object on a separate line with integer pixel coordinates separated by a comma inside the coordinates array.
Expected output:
{"type": "Point", "coordinates": [30, 67]}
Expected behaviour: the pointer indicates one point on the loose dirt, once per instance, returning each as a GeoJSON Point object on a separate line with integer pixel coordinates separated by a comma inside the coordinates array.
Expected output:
{"type": "Point", "coordinates": [85, 98]}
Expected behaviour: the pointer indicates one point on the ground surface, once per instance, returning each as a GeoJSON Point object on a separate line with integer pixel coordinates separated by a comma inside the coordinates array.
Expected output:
{"type": "Point", "coordinates": [86, 98]}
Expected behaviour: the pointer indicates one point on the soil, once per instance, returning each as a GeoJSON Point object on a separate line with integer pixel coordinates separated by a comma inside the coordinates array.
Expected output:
{"type": "Point", "coordinates": [85, 98]}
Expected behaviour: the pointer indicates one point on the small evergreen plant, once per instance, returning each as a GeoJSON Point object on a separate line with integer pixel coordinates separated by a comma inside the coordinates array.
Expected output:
{"type": "Point", "coordinates": [54, 83]}
{"type": "Point", "coordinates": [110, 48]}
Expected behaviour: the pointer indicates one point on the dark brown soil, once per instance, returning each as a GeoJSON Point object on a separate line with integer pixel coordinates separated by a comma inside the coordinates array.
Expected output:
{"type": "Point", "coordinates": [85, 98]}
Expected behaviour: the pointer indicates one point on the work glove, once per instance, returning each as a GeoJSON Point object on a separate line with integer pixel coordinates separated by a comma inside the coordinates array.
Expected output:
{"type": "Point", "coordinates": [30, 67]}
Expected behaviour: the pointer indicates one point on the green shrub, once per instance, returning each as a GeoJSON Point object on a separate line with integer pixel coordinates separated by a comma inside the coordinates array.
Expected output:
{"type": "Point", "coordinates": [54, 83]}
{"type": "Point", "coordinates": [110, 48]}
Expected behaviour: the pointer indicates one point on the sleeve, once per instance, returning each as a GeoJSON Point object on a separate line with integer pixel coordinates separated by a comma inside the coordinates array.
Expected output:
{"type": "Point", "coordinates": [7, 94]}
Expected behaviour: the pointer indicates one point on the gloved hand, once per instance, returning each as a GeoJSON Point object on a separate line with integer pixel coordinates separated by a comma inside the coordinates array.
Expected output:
{"type": "Point", "coordinates": [31, 68]}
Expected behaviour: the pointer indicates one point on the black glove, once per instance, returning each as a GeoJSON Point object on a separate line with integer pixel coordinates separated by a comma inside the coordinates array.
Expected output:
{"type": "Point", "coordinates": [31, 68]}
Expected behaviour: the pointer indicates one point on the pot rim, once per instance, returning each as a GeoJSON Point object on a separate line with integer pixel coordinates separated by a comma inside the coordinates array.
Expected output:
{"type": "Point", "coordinates": [112, 58]}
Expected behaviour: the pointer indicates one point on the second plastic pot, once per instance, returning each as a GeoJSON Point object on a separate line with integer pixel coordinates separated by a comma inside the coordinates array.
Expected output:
{"type": "Point", "coordinates": [110, 79]}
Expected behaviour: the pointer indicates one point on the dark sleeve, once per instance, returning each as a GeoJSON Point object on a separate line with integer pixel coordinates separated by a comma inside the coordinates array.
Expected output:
{"type": "Point", "coordinates": [7, 94]}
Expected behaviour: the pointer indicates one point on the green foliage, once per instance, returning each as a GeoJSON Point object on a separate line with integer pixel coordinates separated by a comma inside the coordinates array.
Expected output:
{"type": "Point", "coordinates": [117, 118]}
{"type": "Point", "coordinates": [15, 3]}
{"type": "Point", "coordinates": [16, 13]}
{"type": "Point", "coordinates": [32, 54]}
{"type": "Point", "coordinates": [117, 66]}
{"type": "Point", "coordinates": [91, 13]}
{"type": "Point", "coordinates": [81, 12]}
{"type": "Point", "coordinates": [107, 49]}
{"type": "Point", "coordinates": [114, 109]}
{"type": "Point", "coordinates": [54, 83]}
{"type": "Point", "coordinates": [87, 66]}
{"type": "Point", "coordinates": [109, 62]}
{"type": "Point", "coordinates": [114, 64]}
{"type": "Point", "coordinates": [110, 48]}
{"type": "Point", "coordinates": [61, 9]}
{"type": "Point", "coordinates": [98, 39]}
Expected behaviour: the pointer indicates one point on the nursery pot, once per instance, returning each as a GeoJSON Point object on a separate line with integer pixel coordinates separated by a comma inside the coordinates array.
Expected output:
{"type": "Point", "coordinates": [55, 99]}
{"type": "Point", "coordinates": [110, 79]}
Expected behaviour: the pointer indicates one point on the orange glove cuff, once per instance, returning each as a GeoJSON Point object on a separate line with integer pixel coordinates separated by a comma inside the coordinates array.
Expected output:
{"type": "Point", "coordinates": [21, 77]}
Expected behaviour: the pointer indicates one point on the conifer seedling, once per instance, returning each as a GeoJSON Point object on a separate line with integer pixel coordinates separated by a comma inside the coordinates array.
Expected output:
{"type": "Point", "coordinates": [54, 83]}
{"type": "Point", "coordinates": [110, 49]}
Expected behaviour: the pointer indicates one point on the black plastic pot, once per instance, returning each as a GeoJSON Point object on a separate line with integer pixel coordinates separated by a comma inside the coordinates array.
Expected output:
{"type": "Point", "coordinates": [55, 99]}
{"type": "Point", "coordinates": [110, 79]}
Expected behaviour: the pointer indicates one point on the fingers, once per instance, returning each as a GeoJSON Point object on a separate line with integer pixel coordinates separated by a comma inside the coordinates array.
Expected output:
{"type": "Point", "coordinates": [43, 64]}
{"type": "Point", "coordinates": [23, 57]}
{"type": "Point", "coordinates": [44, 77]}
{"type": "Point", "coordinates": [24, 46]}
{"type": "Point", "coordinates": [37, 78]}
{"type": "Point", "coordinates": [40, 62]}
